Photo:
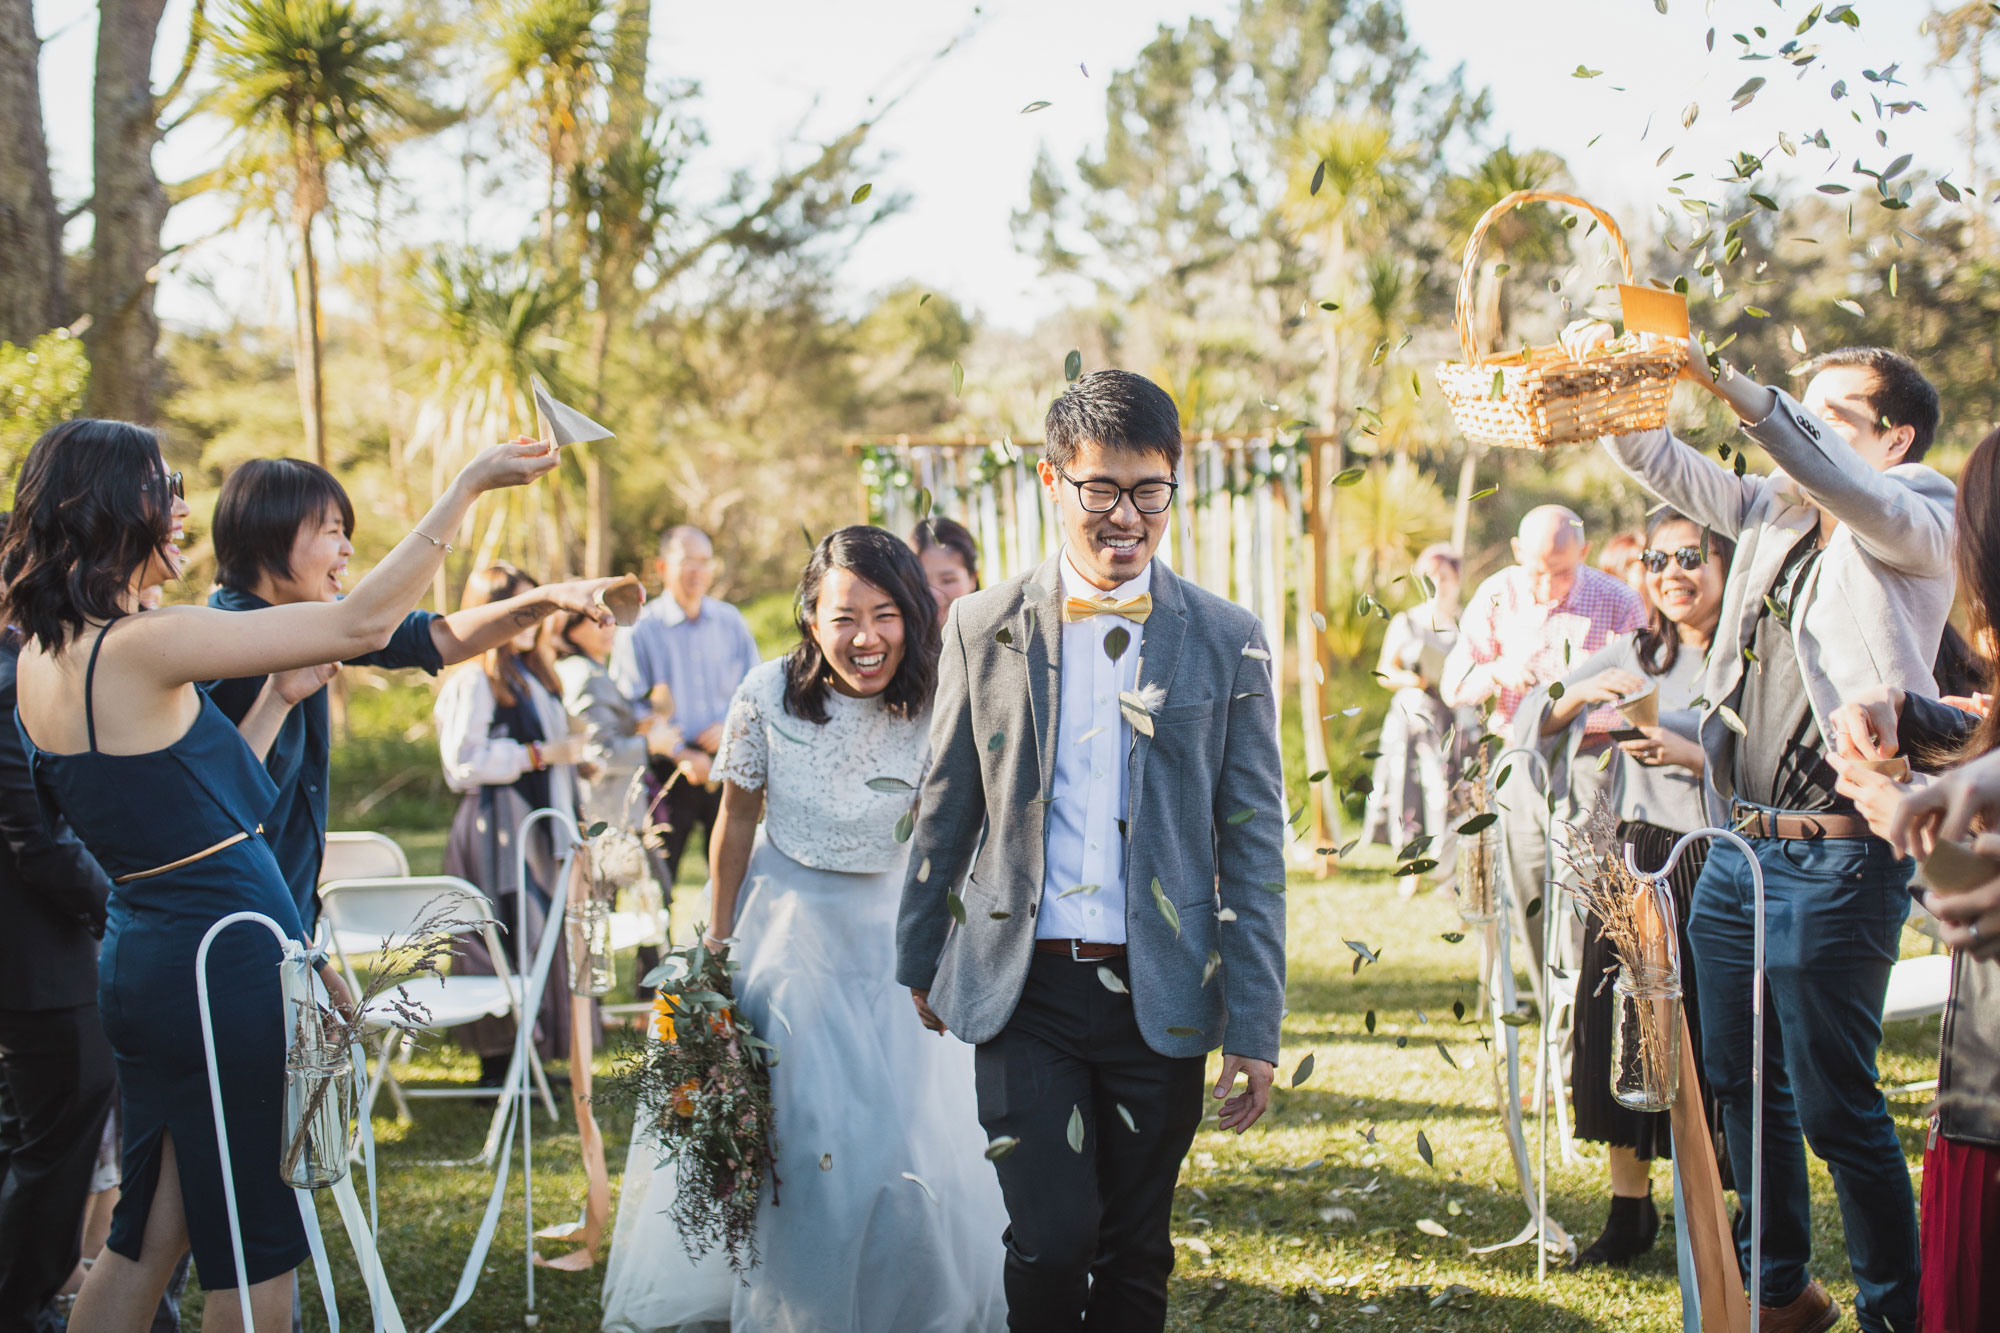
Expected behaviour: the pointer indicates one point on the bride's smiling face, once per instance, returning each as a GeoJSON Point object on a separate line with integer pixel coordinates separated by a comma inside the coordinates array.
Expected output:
{"type": "Point", "coordinates": [859, 630]}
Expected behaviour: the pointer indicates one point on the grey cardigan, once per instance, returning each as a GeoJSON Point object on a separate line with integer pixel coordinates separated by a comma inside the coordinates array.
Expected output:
{"type": "Point", "coordinates": [1206, 820]}
{"type": "Point", "coordinates": [1873, 610]}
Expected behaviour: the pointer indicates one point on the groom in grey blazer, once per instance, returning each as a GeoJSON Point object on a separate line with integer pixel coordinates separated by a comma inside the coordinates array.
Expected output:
{"type": "Point", "coordinates": [1112, 733]}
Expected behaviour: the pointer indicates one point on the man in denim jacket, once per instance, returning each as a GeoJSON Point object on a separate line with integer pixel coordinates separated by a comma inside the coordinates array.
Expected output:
{"type": "Point", "coordinates": [1842, 580]}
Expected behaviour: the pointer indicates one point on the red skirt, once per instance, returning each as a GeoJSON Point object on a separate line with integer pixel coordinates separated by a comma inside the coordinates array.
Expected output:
{"type": "Point", "coordinates": [1961, 1238]}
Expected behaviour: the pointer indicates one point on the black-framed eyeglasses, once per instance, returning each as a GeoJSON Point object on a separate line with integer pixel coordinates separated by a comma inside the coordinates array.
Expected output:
{"type": "Point", "coordinates": [175, 487]}
{"type": "Point", "coordinates": [1101, 497]}
{"type": "Point", "coordinates": [1687, 557]}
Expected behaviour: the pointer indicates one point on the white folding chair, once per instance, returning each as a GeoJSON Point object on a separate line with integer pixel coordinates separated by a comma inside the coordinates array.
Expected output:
{"type": "Point", "coordinates": [362, 856]}
{"type": "Point", "coordinates": [360, 915]}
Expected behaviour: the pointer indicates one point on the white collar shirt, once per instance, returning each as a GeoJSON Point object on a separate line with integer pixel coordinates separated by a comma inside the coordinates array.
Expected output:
{"type": "Point", "coordinates": [1083, 885]}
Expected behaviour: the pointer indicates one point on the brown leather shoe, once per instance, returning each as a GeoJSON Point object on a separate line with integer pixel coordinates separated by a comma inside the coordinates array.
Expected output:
{"type": "Point", "coordinates": [1813, 1312]}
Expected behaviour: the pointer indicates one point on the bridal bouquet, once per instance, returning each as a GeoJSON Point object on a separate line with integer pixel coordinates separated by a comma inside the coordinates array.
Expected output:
{"type": "Point", "coordinates": [702, 1086]}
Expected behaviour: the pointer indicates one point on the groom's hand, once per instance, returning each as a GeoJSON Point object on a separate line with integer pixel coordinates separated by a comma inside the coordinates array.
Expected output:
{"type": "Point", "coordinates": [931, 1020]}
{"type": "Point", "coordinates": [1242, 1111]}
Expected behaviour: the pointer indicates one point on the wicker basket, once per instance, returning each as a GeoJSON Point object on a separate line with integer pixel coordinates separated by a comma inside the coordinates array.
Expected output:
{"type": "Point", "coordinates": [1542, 397]}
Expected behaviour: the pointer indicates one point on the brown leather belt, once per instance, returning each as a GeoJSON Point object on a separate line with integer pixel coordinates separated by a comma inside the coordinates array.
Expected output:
{"type": "Point", "coordinates": [201, 855]}
{"type": "Point", "coordinates": [1080, 951]}
{"type": "Point", "coordinates": [1754, 823]}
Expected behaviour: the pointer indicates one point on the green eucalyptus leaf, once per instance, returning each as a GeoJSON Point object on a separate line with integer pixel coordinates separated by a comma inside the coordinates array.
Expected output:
{"type": "Point", "coordinates": [1075, 1131]}
{"type": "Point", "coordinates": [1167, 909]}
{"type": "Point", "coordinates": [889, 785]}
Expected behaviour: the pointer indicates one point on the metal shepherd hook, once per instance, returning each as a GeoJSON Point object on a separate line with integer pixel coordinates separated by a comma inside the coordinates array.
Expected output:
{"type": "Point", "coordinates": [1756, 1057]}
{"type": "Point", "coordinates": [1535, 1193]}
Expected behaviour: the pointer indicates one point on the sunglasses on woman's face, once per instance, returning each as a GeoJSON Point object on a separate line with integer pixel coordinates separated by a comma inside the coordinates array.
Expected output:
{"type": "Point", "coordinates": [1687, 557]}
{"type": "Point", "coordinates": [175, 486]}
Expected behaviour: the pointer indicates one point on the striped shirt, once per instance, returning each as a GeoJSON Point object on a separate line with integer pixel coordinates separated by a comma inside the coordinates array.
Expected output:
{"type": "Point", "coordinates": [701, 659]}
{"type": "Point", "coordinates": [1504, 623]}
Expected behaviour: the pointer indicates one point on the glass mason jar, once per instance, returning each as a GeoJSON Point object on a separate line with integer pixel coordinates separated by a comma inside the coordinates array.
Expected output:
{"type": "Point", "coordinates": [587, 933]}
{"type": "Point", "coordinates": [1646, 1038]}
{"type": "Point", "coordinates": [319, 1115]}
{"type": "Point", "coordinates": [1478, 876]}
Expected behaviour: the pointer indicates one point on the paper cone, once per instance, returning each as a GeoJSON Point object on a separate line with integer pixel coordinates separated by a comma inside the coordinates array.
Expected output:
{"type": "Point", "coordinates": [623, 600]}
{"type": "Point", "coordinates": [1952, 867]}
{"type": "Point", "coordinates": [562, 424]}
{"type": "Point", "coordinates": [1641, 710]}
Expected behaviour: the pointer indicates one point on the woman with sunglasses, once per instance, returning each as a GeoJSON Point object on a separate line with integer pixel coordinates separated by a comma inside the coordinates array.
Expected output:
{"type": "Point", "coordinates": [168, 797]}
{"type": "Point", "coordinates": [1656, 776]}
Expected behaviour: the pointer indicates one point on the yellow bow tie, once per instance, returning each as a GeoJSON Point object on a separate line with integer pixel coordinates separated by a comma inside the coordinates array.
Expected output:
{"type": "Point", "coordinates": [1134, 609]}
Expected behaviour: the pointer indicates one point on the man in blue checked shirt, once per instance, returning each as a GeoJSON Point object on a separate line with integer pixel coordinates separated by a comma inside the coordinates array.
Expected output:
{"type": "Point", "coordinates": [700, 649]}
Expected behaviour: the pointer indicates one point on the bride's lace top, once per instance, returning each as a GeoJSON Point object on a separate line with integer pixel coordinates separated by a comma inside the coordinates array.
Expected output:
{"type": "Point", "coordinates": [818, 806]}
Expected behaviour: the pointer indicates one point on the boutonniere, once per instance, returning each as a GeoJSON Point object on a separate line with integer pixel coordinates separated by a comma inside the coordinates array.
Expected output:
{"type": "Point", "coordinates": [1139, 705]}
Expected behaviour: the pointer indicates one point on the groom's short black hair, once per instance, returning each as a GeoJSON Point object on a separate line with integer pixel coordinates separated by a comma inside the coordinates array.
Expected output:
{"type": "Point", "coordinates": [1117, 409]}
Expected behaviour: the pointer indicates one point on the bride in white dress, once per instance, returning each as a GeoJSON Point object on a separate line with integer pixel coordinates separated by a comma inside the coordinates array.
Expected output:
{"type": "Point", "coordinates": [886, 1217]}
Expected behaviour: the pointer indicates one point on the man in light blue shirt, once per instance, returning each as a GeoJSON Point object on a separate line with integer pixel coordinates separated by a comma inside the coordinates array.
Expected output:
{"type": "Point", "coordinates": [700, 649]}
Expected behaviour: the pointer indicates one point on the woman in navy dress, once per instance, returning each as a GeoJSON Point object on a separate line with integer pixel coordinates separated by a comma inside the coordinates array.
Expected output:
{"type": "Point", "coordinates": [167, 795]}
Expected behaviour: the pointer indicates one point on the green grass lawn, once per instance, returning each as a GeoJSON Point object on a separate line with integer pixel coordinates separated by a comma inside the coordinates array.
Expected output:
{"type": "Point", "coordinates": [1302, 1223]}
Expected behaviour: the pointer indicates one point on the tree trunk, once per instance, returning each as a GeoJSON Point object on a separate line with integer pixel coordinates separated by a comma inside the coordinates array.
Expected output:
{"type": "Point", "coordinates": [307, 352]}
{"type": "Point", "coordinates": [129, 209]}
{"type": "Point", "coordinates": [630, 108]}
{"type": "Point", "coordinates": [31, 282]}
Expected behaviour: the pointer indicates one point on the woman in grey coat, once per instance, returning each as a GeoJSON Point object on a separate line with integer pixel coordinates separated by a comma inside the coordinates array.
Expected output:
{"type": "Point", "coordinates": [1656, 783]}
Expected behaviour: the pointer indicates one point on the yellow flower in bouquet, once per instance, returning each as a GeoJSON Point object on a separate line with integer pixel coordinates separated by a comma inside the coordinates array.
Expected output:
{"type": "Point", "coordinates": [663, 1017]}
{"type": "Point", "coordinates": [684, 1099]}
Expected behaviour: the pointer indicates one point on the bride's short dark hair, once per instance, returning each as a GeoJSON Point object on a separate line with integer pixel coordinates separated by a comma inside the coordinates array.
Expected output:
{"type": "Point", "coordinates": [91, 507]}
{"type": "Point", "coordinates": [882, 559]}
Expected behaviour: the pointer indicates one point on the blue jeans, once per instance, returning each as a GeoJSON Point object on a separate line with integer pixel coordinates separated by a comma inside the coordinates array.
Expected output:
{"type": "Point", "coordinates": [1834, 909]}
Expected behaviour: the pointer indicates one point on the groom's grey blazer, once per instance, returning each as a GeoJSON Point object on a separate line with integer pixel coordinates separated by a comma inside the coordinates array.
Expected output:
{"type": "Point", "coordinates": [1206, 819]}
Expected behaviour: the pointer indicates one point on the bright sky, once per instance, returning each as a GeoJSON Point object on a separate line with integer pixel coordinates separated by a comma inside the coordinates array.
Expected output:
{"type": "Point", "coordinates": [961, 149]}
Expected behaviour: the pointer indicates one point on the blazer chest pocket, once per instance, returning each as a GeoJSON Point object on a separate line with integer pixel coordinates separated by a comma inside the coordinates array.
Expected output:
{"type": "Point", "coordinates": [1181, 714]}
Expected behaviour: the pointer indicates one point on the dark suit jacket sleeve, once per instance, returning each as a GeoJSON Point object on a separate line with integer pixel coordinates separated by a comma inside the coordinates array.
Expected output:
{"type": "Point", "coordinates": [952, 809]}
{"type": "Point", "coordinates": [1250, 864]}
{"type": "Point", "coordinates": [1929, 731]}
{"type": "Point", "coordinates": [51, 862]}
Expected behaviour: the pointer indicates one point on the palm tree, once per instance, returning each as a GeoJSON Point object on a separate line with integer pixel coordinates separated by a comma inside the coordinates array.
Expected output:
{"type": "Point", "coordinates": [500, 322]}
{"type": "Point", "coordinates": [309, 86]}
{"type": "Point", "coordinates": [555, 52]}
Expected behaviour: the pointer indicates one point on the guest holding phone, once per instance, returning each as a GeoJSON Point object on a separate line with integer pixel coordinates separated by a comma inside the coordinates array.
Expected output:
{"type": "Point", "coordinates": [1655, 782]}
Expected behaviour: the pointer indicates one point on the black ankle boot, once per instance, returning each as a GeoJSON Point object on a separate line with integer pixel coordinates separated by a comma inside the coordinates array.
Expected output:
{"type": "Point", "coordinates": [1628, 1233]}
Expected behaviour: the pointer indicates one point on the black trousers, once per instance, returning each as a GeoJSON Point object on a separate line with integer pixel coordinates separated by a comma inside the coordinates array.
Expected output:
{"type": "Point", "coordinates": [1089, 1243]}
{"type": "Point", "coordinates": [57, 1082]}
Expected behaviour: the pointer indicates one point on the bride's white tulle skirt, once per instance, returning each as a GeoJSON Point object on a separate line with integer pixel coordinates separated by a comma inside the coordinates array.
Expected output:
{"type": "Point", "coordinates": [887, 1217]}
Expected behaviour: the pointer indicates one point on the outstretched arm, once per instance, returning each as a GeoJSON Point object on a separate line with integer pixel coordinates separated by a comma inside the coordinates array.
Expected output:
{"type": "Point", "coordinates": [467, 633]}
{"type": "Point", "coordinates": [179, 645]}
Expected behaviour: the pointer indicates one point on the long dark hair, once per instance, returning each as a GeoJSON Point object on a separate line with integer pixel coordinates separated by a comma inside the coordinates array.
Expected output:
{"type": "Point", "coordinates": [90, 508]}
{"type": "Point", "coordinates": [948, 534]}
{"type": "Point", "coordinates": [496, 583]}
{"type": "Point", "coordinates": [885, 561]}
{"type": "Point", "coordinates": [1658, 645]}
{"type": "Point", "coordinates": [1979, 566]}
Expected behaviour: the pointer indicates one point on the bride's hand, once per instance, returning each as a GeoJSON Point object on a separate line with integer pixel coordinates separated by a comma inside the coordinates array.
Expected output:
{"type": "Point", "coordinates": [924, 1013]}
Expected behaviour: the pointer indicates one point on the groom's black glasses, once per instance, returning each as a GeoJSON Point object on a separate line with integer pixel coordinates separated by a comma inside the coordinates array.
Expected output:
{"type": "Point", "coordinates": [1687, 557]}
{"type": "Point", "coordinates": [1101, 497]}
